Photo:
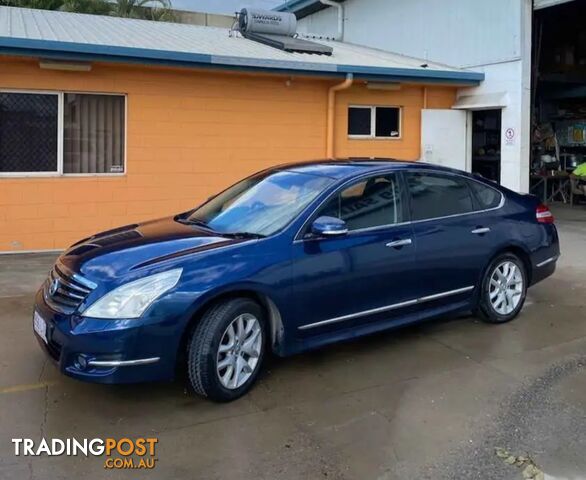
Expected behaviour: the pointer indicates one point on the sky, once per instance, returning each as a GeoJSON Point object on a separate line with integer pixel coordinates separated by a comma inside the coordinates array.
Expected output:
{"type": "Point", "coordinates": [222, 6]}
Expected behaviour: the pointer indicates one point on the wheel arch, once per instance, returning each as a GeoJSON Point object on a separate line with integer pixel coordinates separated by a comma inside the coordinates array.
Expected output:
{"type": "Point", "coordinates": [272, 312]}
{"type": "Point", "coordinates": [517, 250]}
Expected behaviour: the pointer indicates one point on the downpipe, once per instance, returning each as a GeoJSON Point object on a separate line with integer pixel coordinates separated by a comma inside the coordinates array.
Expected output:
{"type": "Point", "coordinates": [331, 112]}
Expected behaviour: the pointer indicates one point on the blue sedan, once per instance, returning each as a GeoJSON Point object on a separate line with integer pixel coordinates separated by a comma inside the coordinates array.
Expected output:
{"type": "Point", "coordinates": [290, 259]}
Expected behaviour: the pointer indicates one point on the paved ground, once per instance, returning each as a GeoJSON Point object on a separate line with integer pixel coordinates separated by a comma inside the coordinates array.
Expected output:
{"type": "Point", "coordinates": [432, 401]}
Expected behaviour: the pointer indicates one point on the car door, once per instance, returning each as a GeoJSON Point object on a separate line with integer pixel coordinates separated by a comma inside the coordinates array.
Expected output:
{"type": "Point", "coordinates": [341, 282]}
{"type": "Point", "coordinates": [453, 238]}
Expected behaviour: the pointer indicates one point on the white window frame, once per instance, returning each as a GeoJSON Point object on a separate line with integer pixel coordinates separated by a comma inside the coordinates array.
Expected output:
{"type": "Point", "coordinates": [372, 135]}
{"type": "Point", "coordinates": [61, 134]}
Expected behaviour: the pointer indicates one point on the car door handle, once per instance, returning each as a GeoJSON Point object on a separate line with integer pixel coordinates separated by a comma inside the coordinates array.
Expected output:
{"type": "Point", "coordinates": [399, 243]}
{"type": "Point", "coordinates": [480, 230]}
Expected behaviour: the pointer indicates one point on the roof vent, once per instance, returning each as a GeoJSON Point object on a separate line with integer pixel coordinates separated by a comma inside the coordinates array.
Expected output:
{"type": "Point", "coordinates": [276, 29]}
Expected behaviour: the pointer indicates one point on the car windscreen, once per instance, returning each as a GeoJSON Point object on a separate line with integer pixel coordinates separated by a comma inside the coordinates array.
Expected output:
{"type": "Point", "coordinates": [262, 204]}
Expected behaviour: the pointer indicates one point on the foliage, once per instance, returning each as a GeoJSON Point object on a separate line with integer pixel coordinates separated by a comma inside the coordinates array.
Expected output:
{"type": "Point", "coordinates": [96, 7]}
{"type": "Point", "coordinates": [158, 10]}
{"type": "Point", "coordinates": [42, 4]}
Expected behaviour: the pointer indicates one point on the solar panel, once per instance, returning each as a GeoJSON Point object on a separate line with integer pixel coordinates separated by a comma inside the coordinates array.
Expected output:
{"type": "Point", "coordinates": [289, 44]}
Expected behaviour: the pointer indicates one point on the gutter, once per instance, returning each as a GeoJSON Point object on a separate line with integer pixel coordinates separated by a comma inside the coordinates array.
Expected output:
{"type": "Point", "coordinates": [331, 112]}
{"type": "Point", "coordinates": [71, 51]}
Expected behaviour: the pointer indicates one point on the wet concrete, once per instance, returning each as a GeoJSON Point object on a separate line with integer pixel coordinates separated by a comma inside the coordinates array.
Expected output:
{"type": "Point", "coordinates": [430, 401]}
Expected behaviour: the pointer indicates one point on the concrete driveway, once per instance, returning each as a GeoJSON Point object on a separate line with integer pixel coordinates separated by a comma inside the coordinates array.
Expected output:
{"type": "Point", "coordinates": [431, 401]}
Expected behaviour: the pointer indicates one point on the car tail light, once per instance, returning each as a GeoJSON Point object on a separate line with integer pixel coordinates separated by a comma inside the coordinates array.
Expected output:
{"type": "Point", "coordinates": [543, 214]}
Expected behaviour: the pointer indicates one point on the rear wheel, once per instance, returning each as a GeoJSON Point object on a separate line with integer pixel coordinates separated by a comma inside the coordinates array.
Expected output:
{"type": "Point", "coordinates": [503, 289]}
{"type": "Point", "coordinates": [226, 350]}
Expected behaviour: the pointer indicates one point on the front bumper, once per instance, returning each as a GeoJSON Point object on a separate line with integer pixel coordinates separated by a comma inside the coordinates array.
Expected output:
{"type": "Point", "coordinates": [110, 351]}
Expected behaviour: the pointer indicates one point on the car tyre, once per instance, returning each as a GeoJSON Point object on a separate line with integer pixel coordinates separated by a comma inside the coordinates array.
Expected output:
{"type": "Point", "coordinates": [223, 358]}
{"type": "Point", "coordinates": [503, 289]}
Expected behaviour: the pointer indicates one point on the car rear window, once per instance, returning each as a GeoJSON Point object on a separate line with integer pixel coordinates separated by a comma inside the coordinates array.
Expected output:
{"type": "Point", "coordinates": [435, 195]}
{"type": "Point", "coordinates": [487, 197]}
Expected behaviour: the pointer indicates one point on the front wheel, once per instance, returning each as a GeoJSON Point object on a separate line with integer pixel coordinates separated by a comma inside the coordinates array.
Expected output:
{"type": "Point", "coordinates": [503, 289]}
{"type": "Point", "coordinates": [226, 350]}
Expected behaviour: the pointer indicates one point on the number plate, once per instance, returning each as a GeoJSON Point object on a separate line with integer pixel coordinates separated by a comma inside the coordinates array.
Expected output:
{"type": "Point", "coordinates": [40, 326]}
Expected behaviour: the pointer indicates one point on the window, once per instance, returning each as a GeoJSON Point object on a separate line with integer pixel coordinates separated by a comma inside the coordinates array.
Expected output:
{"type": "Point", "coordinates": [262, 204]}
{"type": "Point", "coordinates": [374, 122]}
{"type": "Point", "coordinates": [487, 197]}
{"type": "Point", "coordinates": [373, 202]}
{"type": "Point", "coordinates": [435, 195]}
{"type": "Point", "coordinates": [61, 133]}
{"type": "Point", "coordinates": [93, 133]}
{"type": "Point", "coordinates": [28, 132]}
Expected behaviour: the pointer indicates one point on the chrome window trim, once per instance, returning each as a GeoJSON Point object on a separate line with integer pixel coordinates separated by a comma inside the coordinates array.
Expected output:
{"type": "Point", "coordinates": [297, 237]}
{"type": "Point", "coordinates": [501, 204]}
{"type": "Point", "coordinates": [455, 174]}
{"type": "Point", "coordinates": [387, 308]}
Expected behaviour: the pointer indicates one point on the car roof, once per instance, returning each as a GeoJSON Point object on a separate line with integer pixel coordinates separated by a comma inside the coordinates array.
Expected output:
{"type": "Point", "coordinates": [342, 168]}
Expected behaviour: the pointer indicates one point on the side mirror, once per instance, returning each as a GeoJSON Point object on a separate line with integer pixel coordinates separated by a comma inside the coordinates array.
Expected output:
{"type": "Point", "coordinates": [328, 227]}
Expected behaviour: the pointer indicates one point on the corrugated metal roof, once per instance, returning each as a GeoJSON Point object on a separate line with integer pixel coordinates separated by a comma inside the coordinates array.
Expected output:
{"type": "Point", "coordinates": [303, 8]}
{"type": "Point", "coordinates": [52, 34]}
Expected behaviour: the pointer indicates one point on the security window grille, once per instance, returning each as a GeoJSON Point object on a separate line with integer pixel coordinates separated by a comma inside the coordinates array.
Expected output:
{"type": "Point", "coordinates": [374, 122]}
{"type": "Point", "coordinates": [62, 133]}
{"type": "Point", "coordinates": [28, 132]}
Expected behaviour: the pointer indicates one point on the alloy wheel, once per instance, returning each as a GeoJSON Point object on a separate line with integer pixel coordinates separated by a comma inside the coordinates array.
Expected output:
{"type": "Point", "coordinates": [239, 351]}
{"type": "Point", "coordinates": [505, 287]}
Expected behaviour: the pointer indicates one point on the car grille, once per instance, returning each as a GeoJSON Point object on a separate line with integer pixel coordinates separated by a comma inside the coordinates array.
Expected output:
{"type": "Point", "coordinates": [63, 292]}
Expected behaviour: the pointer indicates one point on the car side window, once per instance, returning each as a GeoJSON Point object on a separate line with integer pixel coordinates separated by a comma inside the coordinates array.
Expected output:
{"type": "Point", "coordinates": [487, 197]}
{"type": "Point", "coordinates": [372, 202]}
{"type": "Point", "coordinates": [435, 195]}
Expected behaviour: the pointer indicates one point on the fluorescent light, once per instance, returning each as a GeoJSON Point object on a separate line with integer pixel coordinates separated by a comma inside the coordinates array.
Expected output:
{"type": "Point", "coordinates": [383, 86]}
{"type": "Point", "coordinates": [65, 66]}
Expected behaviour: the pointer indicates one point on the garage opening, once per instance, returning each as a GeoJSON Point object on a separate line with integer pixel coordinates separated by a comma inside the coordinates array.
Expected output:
{"type": "Point", "coordinates": [558, 144]}
{"type": "Point", "coordinates": [486, 144]}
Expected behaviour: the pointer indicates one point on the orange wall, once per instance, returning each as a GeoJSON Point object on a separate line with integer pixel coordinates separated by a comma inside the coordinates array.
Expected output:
{"type": "Point", "coordinates": [190, 133]}
{"type": "Point", "coordinates": [410, 98]}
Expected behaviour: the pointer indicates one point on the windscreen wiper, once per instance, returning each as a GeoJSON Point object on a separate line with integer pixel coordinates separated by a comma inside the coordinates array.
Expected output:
{"type": "Point", "coordinates": [197, 223]}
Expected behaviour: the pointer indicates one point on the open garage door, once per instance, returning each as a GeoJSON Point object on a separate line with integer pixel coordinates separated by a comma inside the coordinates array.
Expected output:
{"type": "Point", "coordinates": [444, 138]}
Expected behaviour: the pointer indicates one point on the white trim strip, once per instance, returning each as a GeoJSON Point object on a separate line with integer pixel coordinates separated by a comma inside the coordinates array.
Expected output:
{"type": "Point", "coordinates": [122, 363]}
{"type": "Point", "coordinates": [445, 294]}
{"type": "Point", "coordinates": [546, 261]}
{"type": "Point", "coordinates": [387, 308]}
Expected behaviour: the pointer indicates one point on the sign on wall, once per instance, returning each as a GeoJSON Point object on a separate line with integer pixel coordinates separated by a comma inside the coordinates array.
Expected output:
{"type": "Point", "coordinates": [510, 135]}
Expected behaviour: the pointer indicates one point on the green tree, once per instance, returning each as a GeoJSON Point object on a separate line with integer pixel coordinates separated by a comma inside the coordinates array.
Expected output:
{"type": "Point", "coordinates": [95, 7]}
{"type": "Point", "coordinates": [158, 10]}
{"type": "Point", "coordinates": [145, 9]}
{"type": "Point", "coordinates": [42, 4]}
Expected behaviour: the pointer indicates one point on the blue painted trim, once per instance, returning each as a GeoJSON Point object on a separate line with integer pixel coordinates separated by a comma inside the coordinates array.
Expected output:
{"type": "Point", "coordinates": [107, 53]}
{"type": "Point", "coordinates": [102, 50]}
{"type": "Point", "coordinates": [457, 75]}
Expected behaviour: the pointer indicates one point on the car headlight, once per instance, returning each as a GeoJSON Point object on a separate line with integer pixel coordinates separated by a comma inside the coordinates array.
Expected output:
{"type": "Point", "coordinates": [132, 299]}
